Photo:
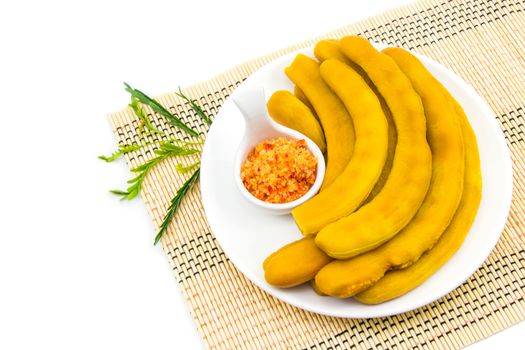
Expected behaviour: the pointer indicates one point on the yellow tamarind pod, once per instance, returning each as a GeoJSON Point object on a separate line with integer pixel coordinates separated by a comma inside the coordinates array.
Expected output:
{"type": "Point", "coordinates": [288, 110]}
{"type": "Point", "coordinates": [295, 263]}
{"type": "Point", "coordinates": [398, 282]}
{"type": "Point", "coordinates": [379, 220]}
{"type": "Point", "coordinates": [302, 97]}
{"type": "Point", "coordinates": [344, 278]}
{"type": "Point", "coordinates": [316, 288]}
{"type": "Point", "coordinates": [335, 120]}
{"type": "Point", "coordinates": [330, 49]}
{"type": "Point", "coordinates": [354, 184]}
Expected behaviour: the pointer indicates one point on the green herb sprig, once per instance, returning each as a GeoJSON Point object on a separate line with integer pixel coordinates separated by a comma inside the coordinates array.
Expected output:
{"type": "Point", "coordinates": [122, 149]}
{"type": "Point", "coordinates": [165, 151]}
{"type": "Point", "coordinates": [125, 149]}
{"type": "Point", "coordinates": [144, 121]}
{"type": "Point", "coordinates": [166, 147]}
{"type": "Point", "coordinates": [157, 107]}
{"type": "Point", "coordinates": [195, 107]}
{"type": "Point", "coordinates": [175, 204]}
{"type": "Point", "coordinates": [181, 169]}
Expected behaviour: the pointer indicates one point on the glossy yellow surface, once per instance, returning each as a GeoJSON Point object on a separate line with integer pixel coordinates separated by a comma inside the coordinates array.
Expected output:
{"type": "Point", "coordinates": [354, 184]}
{"type": "Point", "coordinates": [395, 205]}
{"type": "Point", "coordinates": [347, 277]}
{"type": "Point", "coordinates": [335, 120]}
{"type": "Point", "coordinates": [288, 110]}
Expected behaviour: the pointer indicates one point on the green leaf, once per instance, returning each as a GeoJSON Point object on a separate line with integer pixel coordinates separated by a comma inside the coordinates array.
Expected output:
{"type": "Point", "coordinates": [175, 150]}
{"type": "Point", "coordinates": [114, 156]}
{"type": "Point", "coordinates": [145, 122]}
{"type": "Point", "coordinates": [122, 149]}
{"type": "Point", "coordinates": [196, 108]}
{"type": "Point", "coordinates": [181, 169]}
{"type": "Point", "coordinates": [141, 167]}
{"type": "Point", "coordinates": [134, 192]}
{"type": "Point", "coordinates": [119, 192]}
{"type": "Point", "coordinates": [158, 108]}
{"type": "Point", "coordinates": [175, 204]}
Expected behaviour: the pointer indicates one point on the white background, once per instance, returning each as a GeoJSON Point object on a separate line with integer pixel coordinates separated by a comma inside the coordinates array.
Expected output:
{"type": "Point", "coordinates": [77, 267]}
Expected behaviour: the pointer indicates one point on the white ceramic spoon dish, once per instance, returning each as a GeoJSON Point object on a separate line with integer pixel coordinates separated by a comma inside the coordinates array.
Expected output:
{"type": "Point", "coordinates": [259, 127]}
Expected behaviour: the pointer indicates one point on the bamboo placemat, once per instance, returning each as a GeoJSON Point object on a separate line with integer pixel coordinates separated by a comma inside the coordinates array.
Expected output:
{"type": "Point", "coordinates": [483, 42]}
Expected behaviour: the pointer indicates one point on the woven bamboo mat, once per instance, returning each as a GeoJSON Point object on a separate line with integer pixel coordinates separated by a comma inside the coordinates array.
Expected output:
{"type": "Point", "coordinates": [483, 42]}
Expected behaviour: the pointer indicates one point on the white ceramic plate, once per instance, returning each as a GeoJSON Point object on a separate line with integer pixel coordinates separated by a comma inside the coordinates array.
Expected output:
{"type": "Point", "coordinates": [247, 235]}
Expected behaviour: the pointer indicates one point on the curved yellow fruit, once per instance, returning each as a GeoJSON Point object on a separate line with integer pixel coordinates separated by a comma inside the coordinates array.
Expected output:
{"type": "Point", "coordinates": [392, 141]}
{"type": "Point", "coordinates": [354, 184]}
{"type": "Point", "coordinates": [316, 289]}
{"type": "Point", "coordinates": [379, 220]}
{"type": "Point", "coordinates": [398, 282]}
{"type": "Point", "coordinates": [330, 49]}
{"type": "Point", "coordinates": [344, 278]}
{"type": "Point", "coordinates": [294, 264]}
{"type": "Point", "coordinates": [302, 97]}
{"type": "Point", "coordinates": [335, 120]}
{"type": "Point", "coordinates": [288, 110]}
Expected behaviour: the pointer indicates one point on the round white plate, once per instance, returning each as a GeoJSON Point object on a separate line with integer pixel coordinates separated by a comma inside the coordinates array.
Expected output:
{"type": "Point", "coordinates": [247, 235]}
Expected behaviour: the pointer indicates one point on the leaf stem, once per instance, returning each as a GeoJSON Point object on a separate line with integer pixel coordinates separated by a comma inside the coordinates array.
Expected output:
{"type": "Point", "coordinates": [175, 204]}
{"type": "Point", "coordinates": [196, 108]}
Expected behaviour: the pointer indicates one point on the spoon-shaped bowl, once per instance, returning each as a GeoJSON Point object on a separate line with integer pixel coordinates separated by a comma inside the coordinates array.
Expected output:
{"type": "Point", "coordinates": [259, 127]}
